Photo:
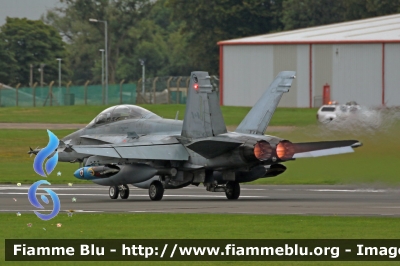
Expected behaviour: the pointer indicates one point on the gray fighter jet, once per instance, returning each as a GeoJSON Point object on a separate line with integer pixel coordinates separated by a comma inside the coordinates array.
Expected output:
{"type": "Point", "coordinates": [126, 144]}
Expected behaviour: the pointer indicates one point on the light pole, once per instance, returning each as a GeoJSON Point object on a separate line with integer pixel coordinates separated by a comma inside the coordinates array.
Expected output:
{"type": "Point", "coordinates": [59, 72]}
{"type": "Point", "coordinates": [41, 69]}
{"type": "Point", "coordinates": [102, 73]}
{"type": "Point", "coordinates": [106, 51]}
{"type": "Point", "coordinates": [31, 77]}
{"type": "Point", "coordinates": [142, 62]}
{"type": "Point", "coordinates": [102, 66]}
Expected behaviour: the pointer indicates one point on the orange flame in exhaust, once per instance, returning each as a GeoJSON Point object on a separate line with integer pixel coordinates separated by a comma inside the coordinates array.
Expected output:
{"type": "Point", "coordinates": [285, 150]}
{"type": "Point", "coordinates": [262, 150]}
{"type": "Point", "coordinates": [280, 150]}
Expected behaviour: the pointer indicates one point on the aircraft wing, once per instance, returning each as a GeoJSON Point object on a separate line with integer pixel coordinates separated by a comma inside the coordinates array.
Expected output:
{"type": "Point", "coordinates": [324, 148]}
{"type": "Point", "coordinates": [103, 139]}
{"type": "Point", "coordinates": [144, 151]}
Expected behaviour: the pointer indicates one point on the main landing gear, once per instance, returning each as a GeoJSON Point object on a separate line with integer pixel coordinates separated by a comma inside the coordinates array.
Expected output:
{"type": "Point", "coordinates": [156, 190]}
{"type": "Point", "coordinates": [232, 191]}
{"type": "Point", "coordinates": [122, 191]}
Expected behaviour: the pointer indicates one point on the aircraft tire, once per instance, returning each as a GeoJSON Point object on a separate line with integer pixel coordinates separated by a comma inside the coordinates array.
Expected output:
{"type": "Point", "coordinates": [156, 190]}
{"type": "Point", "coordinates": [124, 194]}
{"type": "Point", "coordinates": [113, 192]}
{"type": "Point", "coordinates": [233, 190]}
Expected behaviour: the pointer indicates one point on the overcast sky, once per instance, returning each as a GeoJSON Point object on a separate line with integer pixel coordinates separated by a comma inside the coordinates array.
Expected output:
{"type": "Point", "coordinates": [31, 9]}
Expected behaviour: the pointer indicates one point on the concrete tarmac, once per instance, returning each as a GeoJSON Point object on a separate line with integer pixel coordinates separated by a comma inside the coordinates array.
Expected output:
{"type": "Point", "coordinates": [254, 199]}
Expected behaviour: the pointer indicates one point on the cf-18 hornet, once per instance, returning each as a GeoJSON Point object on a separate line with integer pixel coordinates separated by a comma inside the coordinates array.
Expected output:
{"type": "Point", "coordinates": [127, 144]}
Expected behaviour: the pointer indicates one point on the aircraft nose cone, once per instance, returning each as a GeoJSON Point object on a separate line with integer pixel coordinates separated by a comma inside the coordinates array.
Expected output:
{"type": "Point", "coordinates": [79, 173]}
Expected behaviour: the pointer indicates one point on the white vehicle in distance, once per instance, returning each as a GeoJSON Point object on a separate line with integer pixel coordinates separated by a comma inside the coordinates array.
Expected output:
{"type": "Point", "coordinates": [334, 111]}
{"type": "Point", "coordinates": [329, 112]}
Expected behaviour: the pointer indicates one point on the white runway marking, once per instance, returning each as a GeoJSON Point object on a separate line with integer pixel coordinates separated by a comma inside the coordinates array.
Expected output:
{"type": "Point", "coordinates": [21, 193]}
{"type": "Point", "coordinates": [106, 188]}
{"type": "Point", "coordinates": [86, 211]}
{"type": "Point", "coordinates": [68, 188]}
{"type": "Point", "coordinates": [145, 211]}
{"type": "Point", "coordinates": [100, 188]}
{"type": "Point", "coordinates": [26, 210]}
{"type": "Point", "coordinates": [386, 207]}
{"type": "Point", "coordinates": [134, 195]}
{"type": "Point", "coordinates": [210, 196]}
{"type": "Point", "coordinates": [349, 190]}
{"type": "Point", "coordinates": [65, 211]}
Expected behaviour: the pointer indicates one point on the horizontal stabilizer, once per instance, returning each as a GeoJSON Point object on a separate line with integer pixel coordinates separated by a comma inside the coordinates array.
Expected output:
{"type": "Point", "coordinates": [257, 120]}
{"type": "Point", "coordinates": [324, 148]}
{"type": "Point", "coordinates": [210, 148]}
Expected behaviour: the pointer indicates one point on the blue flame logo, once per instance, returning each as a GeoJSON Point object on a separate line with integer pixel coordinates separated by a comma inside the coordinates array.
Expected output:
{"type": "Point", "coordinates": [33, 200]}
{"type": "Point", "coordinates": [45, 153]}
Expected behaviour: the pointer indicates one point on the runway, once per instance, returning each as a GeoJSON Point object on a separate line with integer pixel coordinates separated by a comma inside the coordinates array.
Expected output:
{"type": "Point", "coordinates": [254, 199]}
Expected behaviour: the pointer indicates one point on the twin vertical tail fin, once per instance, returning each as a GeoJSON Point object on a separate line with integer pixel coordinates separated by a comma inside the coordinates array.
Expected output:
{"type": "Point", "coordinates": [257, 120]}
{"type": "Point", "coordinates": [203, 116]}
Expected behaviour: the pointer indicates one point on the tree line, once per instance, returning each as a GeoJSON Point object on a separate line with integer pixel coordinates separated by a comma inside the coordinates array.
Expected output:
{"type": "Point", "coordinates": [174, 37]}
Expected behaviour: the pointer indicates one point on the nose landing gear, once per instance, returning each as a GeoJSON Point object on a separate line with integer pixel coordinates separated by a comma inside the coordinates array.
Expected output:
{"type": "Point", "coordinates": [113, 192]}
{"type": "Point", "coordinates": [122, 191]}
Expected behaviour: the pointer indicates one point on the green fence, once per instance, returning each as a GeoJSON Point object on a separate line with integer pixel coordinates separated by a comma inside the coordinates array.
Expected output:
{"type": "Point", "coordinates": [164, 90]}
{"type": "Point", "coordinates": [158, 90]}
{"type": "Point", "coordinates": [74, 95]}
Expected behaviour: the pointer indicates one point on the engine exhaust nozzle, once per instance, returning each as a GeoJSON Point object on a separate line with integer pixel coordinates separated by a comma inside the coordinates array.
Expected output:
{"type": "Point", "coordinates": [262, 150]}
{"type": "Point", "coordinates": [285, 150]}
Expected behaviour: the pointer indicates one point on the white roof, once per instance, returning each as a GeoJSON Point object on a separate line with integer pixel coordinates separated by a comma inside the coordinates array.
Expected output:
{"type": "Point", "coordinates": [372, 30]}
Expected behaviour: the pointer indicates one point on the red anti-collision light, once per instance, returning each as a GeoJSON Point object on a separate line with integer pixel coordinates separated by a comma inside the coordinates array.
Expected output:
{"type": "Point", "coordinates": [196, 86]}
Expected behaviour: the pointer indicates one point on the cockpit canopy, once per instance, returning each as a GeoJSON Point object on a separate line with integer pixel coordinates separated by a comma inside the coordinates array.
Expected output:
{"type": "Point", "coordinates": [122, 112]}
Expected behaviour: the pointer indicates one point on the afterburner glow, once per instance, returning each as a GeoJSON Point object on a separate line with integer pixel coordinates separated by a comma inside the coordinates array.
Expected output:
{"type": "Point", "coordinates": [262, 150]}
{"type": "Point", "coordinates": [285, 150]}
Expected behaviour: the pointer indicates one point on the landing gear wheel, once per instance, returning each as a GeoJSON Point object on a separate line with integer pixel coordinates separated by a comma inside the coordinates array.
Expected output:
{"type": "Point", "coordinates": [232, 190]}
{"type": "Point", "coordinates": [124, 193]}
{"type": "Point", "coordinates": [156, 190]}
{"type": "Point", "coordinates": [113, 192]}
